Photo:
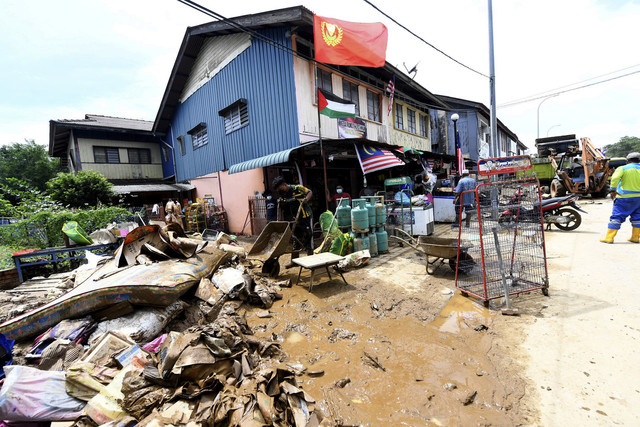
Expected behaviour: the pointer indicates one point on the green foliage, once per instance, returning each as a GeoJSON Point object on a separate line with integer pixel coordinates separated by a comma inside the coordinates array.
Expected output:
{"type": "Point", "coordinates": [86, 188]}
{"type": "Point", "coordinates": [6, 208]}
{"type": "Point", "coordinates": [23, 199]}
{"type": "Point", "coordinates": [5, 256]}
{"type": "Point", "coordinates": [44, 229]}
{"type": "Point", "coordinates": [28, 162]}
{"type": "Point", "coordinates": [626, 145]}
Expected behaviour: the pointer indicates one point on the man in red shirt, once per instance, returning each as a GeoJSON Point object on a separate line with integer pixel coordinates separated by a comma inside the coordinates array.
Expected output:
{"type": "Point", "coordinates": [340, 194]}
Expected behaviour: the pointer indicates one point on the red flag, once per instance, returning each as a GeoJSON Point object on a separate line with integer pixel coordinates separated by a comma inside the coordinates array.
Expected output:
{"type": "Point", "coordinates": [349, 43]}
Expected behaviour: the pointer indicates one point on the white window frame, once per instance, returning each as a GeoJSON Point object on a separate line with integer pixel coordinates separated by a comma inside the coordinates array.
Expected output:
{"type": "Point", "coordinates": [200, 138]}
{"type": "Point", "coordinates": [236, 117]}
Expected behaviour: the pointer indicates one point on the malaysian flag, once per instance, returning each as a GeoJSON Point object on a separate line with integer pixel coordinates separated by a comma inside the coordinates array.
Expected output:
{"type": "Point", "coordinates": [391, 88]}
{"type": "Point", "coordinates": [427, 164]}
{"type": "Point", "coordinates": [373, 159]}
{"type": "Point", "coordinates": [459, 153]}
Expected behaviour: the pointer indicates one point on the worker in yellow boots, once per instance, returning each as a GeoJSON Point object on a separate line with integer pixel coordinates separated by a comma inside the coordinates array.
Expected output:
{"type": "Point", "coordinates": [625, 192]}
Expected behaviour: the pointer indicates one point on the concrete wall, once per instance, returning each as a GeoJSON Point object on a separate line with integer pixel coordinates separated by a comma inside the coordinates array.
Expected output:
{"type": "Point", "coordinates": [236, 190]}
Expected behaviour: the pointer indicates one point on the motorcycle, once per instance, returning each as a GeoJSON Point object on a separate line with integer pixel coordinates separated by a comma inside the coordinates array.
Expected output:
{"type": "Point", "coordinates": [563, 212]}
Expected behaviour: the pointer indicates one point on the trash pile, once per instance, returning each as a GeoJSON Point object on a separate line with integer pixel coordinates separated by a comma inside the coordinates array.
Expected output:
{"type": "Point", "coordinates": [126, 347]}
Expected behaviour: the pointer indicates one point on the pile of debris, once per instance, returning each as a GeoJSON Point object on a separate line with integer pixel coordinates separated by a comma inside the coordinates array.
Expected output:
{"type": "Point", "coordinates": [126, 346]}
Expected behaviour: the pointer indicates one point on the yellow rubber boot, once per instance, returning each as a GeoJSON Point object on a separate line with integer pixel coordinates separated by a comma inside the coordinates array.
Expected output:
{"type": "Point", "coordinates": [611, 233]}
{"type": "Point", "coordinates": [635, 235]}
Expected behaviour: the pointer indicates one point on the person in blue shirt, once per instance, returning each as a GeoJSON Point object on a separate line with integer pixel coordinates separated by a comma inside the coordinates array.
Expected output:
{"type": "Point", "coordinates": [467, 200]}
{"type": "Point", "coordinates": [272, 206]}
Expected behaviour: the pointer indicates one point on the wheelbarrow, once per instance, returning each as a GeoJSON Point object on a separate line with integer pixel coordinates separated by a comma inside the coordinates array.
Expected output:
{"type": "Point", "coordinates": [439, 249]}
{"type": "Point", "coordinates": [275, 240]}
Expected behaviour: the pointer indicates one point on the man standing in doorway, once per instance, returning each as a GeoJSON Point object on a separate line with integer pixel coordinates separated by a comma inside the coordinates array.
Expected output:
{"type": "Point", "coordinates": [625, 192]}
{"type": "Point", "coordinates": [292, 198]}
{"type": "Point", "coordinates": [340, 194]}
{"type": "Point", "coordinates": [465, 201]}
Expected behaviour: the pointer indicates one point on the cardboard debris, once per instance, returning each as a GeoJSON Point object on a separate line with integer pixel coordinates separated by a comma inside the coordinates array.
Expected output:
{"type": "Point", "coordinates": [207, 369]}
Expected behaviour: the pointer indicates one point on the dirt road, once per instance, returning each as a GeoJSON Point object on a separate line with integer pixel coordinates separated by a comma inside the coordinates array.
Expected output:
{"type": "Point", "coordinates": [579, 348]}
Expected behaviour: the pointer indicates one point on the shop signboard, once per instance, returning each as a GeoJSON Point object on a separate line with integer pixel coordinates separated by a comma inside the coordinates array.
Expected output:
{"type": "Point", "coordinates": [504, 165]}
{"type": "Point", "coordinates": [352, 127]}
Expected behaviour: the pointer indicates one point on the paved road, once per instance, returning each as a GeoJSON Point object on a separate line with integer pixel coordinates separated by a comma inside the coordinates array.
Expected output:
{"type": "Point", "coordinates": [583, 350]}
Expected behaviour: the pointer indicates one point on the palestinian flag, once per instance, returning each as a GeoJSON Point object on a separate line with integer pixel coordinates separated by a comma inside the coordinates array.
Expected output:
{"type": "Point", "coordinates": [335, 107]}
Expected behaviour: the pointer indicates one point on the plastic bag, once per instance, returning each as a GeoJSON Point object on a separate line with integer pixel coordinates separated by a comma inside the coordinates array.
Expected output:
{"type": "Point", "coordinates": [342, 245]}
{"type": "Point", "coordinates": [29, 394]}
{"type": "Point", "coordinates": [329, 225]}
{"type": "Point", "coordinates": [143, 325]}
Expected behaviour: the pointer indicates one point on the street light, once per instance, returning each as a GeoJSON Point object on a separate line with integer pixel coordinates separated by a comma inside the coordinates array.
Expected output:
{"type": "Point", "coordinates": [538, 125]}
{"type": "Point", "coordinates": [454, 119]}
{"type": "Point", "coordinates": [554, 126]}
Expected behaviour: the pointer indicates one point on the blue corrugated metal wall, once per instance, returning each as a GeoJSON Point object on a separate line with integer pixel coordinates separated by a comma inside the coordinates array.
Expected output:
{"type": "Point", "coordinates": [262, 74]}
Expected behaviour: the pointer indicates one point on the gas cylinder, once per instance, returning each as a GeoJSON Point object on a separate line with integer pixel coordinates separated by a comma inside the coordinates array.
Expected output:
{"type": "Point", "coordinates": [343, 213]}
{"type": "Point", "coordinates": [383, 240]}
{"type": "Point", "coordinates": [373, 244]}
{"type": "Point", "coordinates": [381, 213]}
{"type": "Point", "coordinates": [371, 208]}
{"type": "Point", "coordinates": [359, 216]}
{"type": "Point", "coordinates": [360, 242]}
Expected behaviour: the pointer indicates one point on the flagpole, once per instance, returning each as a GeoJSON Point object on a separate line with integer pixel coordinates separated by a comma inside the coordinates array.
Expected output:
{"type": "Point", "coordinates": [324, 161]}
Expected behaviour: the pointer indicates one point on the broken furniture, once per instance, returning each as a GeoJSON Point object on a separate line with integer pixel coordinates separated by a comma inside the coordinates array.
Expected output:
{"type": "Point", "coordinates": [315, 262]}
{"type": "Point", "coordinates": [54, 254]}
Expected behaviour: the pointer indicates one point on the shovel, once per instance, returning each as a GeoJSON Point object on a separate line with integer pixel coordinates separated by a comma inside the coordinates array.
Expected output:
{"type": "Point", "coordinates": [505, 311]}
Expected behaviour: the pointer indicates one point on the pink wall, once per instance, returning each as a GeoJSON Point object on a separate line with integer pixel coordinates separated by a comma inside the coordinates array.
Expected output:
{"type": "Point", "coordinates": [236, 190]}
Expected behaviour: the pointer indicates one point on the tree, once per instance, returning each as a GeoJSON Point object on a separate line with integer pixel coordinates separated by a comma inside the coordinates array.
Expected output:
{"type": "Point", "coordinates": [28, 162]}
{"type": "Point", "coordinates": [87, 188]}
{"type": "Point", "coordinates": [626, 145]}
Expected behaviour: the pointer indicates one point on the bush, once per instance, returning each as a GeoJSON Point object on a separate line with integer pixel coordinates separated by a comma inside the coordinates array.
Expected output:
{"type": "Point", "coordinates": [44, 229]}
{"type": "Point", "coordinates": [84, 189]}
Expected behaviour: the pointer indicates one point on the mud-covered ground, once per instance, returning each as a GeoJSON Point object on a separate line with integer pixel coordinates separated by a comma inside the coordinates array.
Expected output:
{"type": "Point", "coordinates": [395, 347]}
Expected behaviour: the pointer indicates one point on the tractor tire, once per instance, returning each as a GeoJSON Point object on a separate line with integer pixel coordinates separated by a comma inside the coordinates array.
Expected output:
{"type": "Point", "coordinates": [557, 188]}
{"type": "Point", "coordinates": [604, 192]}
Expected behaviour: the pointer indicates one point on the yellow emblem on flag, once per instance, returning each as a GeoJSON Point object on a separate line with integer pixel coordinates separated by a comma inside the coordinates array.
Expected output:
{"type": "Point", "coordinates": [331, 33]}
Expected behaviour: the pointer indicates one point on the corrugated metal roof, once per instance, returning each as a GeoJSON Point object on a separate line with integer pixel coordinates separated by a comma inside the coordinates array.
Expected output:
{"type": "Point", "coordinates": [261, 162]}
{"type": "Point", "coordinates": [95, 120]}
{"type": "Point", "coordinates": [151, 188]}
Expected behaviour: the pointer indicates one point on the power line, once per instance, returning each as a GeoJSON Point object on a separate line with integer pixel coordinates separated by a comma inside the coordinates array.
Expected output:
{"type": "Point", "coordinates": [287, 49]}
{"type": "Point", "coordinates": [568, 90]}
{"type": "Point", "coordinates": [547, 92]}
{"type": "Point", "coordinates": [423, 40]}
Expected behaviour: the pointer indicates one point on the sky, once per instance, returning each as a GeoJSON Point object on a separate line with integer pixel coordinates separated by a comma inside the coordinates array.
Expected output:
{"type": "Point", "coordinates": [68, 58]}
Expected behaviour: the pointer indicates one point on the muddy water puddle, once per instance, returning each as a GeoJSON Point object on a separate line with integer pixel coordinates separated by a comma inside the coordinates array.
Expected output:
{"type": "Point", "coordinates": [364, 365]}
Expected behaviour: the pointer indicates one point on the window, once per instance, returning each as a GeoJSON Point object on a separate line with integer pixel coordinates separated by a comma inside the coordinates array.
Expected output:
{"type": "Point", "coordinates": [199, 135]}
{"type": "Point", "coordinates": [236, 116]}
{"type": "Point", "coordinates": [373, 106]}
{"type": "Point", "coordinates": [106, 155]}
{"type": "Point", "coordinates": [139, 155]}
{"type": "Point", "coordinates": [165, 153]}
{"type": "Point", "coordinates": [200, 138]}
{"type": "Point", "coordinates": [350, 93]}
{"type": "Point", "coordinates": [399, 117]}
{"type": "Point", "coordinates": [411, 120]}
{"type": "Point", "coordinates": [324, 80]}
{"type": "Point", "coordinates": [424, 130]}
{"type": "Point", "coordinates": [181, 144]}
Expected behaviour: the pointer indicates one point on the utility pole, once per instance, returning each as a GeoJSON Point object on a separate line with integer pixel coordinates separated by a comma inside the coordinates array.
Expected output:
{"type": "Point", "coordinates": [495, 152]}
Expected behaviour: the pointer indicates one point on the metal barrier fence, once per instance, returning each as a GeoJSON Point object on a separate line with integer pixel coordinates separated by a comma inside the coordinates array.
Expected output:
{"type": "Point", "coordinates": [257, 214]}
{"type": "Point", "coordinates": [506, 222]}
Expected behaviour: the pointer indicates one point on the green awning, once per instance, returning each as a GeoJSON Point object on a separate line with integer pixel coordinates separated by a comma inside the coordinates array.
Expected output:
{"type": "Point", "coordinates": [264, 161]}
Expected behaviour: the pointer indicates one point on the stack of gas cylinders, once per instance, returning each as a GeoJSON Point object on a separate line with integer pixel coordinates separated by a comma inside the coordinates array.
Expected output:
{"type": "Point", "coordinates": [365, 221]}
